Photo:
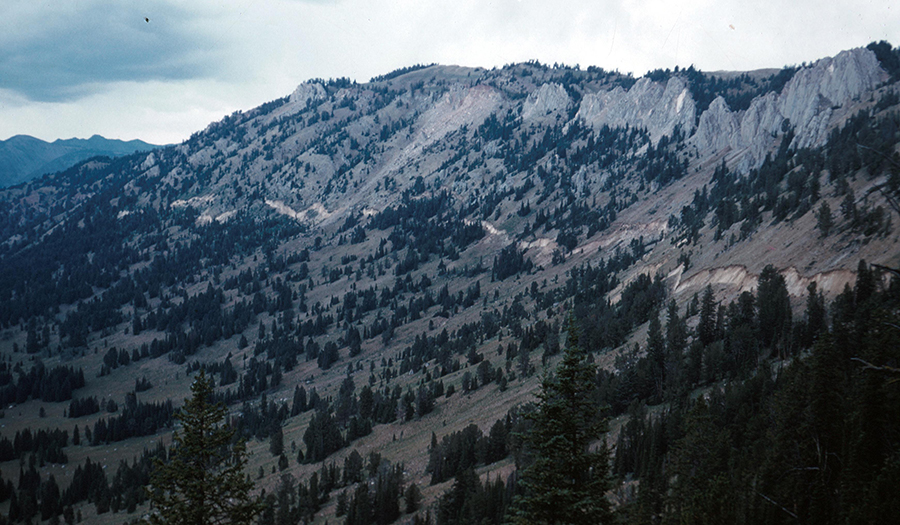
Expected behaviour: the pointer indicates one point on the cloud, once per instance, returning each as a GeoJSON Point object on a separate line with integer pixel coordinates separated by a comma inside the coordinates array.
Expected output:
{"type": "Point", "coordinates": [69, 52]}
{"type": "Point", "coordinates": [75, 68]}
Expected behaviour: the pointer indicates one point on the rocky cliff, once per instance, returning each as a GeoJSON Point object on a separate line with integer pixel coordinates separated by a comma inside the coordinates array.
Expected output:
{"type": "Point", "coordinates": [807, 104]}
{"type": "Point", "coordinates": [650, 105]}
{"type": "Point", "coordinates": [549, 100]}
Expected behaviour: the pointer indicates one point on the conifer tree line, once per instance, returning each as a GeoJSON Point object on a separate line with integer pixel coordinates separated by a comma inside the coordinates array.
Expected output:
{"type": "Point", "coordinates": [798, 423]}
{"type": "Point", "coordinates": [776, 364]}
{"type": "Point", "coordinates": [711, 376]}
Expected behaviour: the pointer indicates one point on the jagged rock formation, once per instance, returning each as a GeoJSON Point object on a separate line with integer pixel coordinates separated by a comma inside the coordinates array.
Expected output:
{"type": "Point", "coordinates": [547, 100]}
{"type": "Point", "coordinates": [655, 107]}
{"type": "Point", "coordinates": [806, 104]}
{"type": "Point", "coordinates": [308, 92]}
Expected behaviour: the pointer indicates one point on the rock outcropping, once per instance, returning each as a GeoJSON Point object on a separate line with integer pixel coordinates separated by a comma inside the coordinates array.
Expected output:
{"type": "Point", "coordinates": [655, 107]}
{"type": "Point", "coordinates": [806, 104]}
{"type": "Point", "coordinates": [547, 100]}
{"type": "Point", "coordinates": [308, 92]}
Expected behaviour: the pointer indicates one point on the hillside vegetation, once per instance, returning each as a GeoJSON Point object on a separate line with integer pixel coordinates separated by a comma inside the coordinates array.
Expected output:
{"type": "Point", "coordinates": [380, 277]}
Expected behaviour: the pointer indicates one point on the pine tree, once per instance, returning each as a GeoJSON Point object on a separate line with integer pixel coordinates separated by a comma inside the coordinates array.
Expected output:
{"type": "Point", "coordinates": [824, 220]}
{"type": "Point", "coordinates": [706, 328]}
{"type": "Point", "coordinates": [203, 482]}
{"type": "Point", "coordinates": [276, 441]}
{"type": "Point", "coordinates": [656, 354]}
{"type": "Point", "coordinates": [567, 481]}
{"type": "Point", "coordinates": [774, 306]}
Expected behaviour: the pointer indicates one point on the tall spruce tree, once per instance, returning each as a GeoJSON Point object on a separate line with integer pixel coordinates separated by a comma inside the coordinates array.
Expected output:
{"type": "Point", "coordinates": [203, 481]}
{"type": "Point", "coordinates": [706, 328]}
{"type": "Point", "coordinates": [568, 479]}
{"type": "Point", "coordinates": [774, 305]}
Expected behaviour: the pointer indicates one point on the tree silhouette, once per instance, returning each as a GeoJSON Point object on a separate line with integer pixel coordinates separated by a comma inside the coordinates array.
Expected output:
{"type": "Point", "coordinates": [204, 481]}
{"type": "Point", "coordinates": [567, 481]}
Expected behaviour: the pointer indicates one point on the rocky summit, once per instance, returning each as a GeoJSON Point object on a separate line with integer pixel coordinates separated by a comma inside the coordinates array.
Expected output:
{"type": "Point", "coordinates": [380, 276]}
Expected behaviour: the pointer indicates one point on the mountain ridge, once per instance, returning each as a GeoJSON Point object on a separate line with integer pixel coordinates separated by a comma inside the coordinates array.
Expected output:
{"type": "Point", "coordinates": [438, 228]}
{"type": "Point", "coordinates": [23, 157]}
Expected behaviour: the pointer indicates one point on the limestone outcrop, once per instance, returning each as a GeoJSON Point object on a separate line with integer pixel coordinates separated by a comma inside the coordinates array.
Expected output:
{"type": "Point", "coordinates": [650, 105]}
{"type": "Point", "coordinates": [308, 92]}
{"type": "Point", "coordinates": [806, 104]}
{"type": "Point", "coordinates": [549, 99]}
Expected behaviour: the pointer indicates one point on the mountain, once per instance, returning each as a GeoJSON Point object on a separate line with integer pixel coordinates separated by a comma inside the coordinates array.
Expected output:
{"type": "Point", "coordinates": [23, 158]}
{"type": "Point", "coordinates": [378, 276]}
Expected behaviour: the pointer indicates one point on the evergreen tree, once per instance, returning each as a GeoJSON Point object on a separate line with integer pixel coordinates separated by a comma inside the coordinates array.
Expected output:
{"type": "Point", "coordinates": [413, 498]}
{"type": "Point", "coordinates": [824, 220]}
{"type": "Point", "coordinates": [706, 328]}
{"type": "Point", "coordinates": [656, 353]}
{"type": "Point", "coordinates": [567, 481]}
{"type": "Point", "coordinates": [276, 441]}
{"type": "Point", "coordinates": [203, 482]}
{"type": "Point", "coordinates": [774, 306]}
{"type": "Point", "coordinates": [816, 322]}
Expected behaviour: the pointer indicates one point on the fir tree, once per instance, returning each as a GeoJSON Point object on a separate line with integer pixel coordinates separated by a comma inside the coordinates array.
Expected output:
{"type": "Point", "coordinates": [706, 328]}
{"type": "Point", "coordinates": [774, 306]}
{"type": "Point", "coordinates": [824, 220]}
{"type": "Point", "coordinates": [276, 441]}
{"type": "Point", "coordinates": [203, 482]}
{"type": "Point", "coordinates": [656, 354]}
{"type": "Point", "coordinates": [567, 481]}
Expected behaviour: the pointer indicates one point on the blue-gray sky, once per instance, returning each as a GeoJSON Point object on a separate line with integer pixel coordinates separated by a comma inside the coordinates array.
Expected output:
{"type": "Point", "coordinates": [158, 70]}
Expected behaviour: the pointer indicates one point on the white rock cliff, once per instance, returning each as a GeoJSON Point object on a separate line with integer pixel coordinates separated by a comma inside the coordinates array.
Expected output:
{"type": "Point", "coordinates": [658, 109]}
{"type": "Point", "coordinates": [806, 103]}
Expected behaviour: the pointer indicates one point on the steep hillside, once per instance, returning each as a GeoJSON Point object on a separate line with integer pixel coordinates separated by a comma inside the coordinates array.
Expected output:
{"type": "Point", "coordinates": [370, 268]}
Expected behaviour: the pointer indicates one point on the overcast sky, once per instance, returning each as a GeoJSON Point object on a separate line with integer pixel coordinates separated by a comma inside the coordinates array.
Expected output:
{"type": "Point", "coordinates": [158, 70]}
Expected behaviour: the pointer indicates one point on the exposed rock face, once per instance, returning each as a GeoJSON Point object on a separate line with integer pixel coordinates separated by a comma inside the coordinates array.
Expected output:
{"type": "Point", "coordinates": [759, 123]}
{"type": "Point", "coordinates": [807, 99]}
{"type": "Point", "coordinates": [739, 279]}
{"type": "Point", "coordinates": [548, 99]}
{"type": "Point", "coordinates": [308, 92]}
{"type": "Point", "coordinates": [658, 109]}
{"type": "Point", "coordinates": [460, 106]}
{"type": "Point", "coordinates": [719, 128]}
{"type": "Point", "coordinates": [806, 103]}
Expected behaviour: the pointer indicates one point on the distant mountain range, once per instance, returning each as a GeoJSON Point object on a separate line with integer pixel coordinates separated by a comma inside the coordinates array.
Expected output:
{"type": "Point", "coordinates": [23, 157]}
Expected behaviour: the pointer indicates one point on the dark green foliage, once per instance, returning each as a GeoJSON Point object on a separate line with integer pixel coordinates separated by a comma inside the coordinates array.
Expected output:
{"type": "Point", "coordinates": [509, 262]}
{"type": "Point", "coordinates": [738, 92]}
{"type": "Point", "coordinates": [276, 441]}
{"type": "Point", "coordinates": [322, 437]}
{"type": "Point", "coordinates": [706, 328]}
{"type": "Point", "coordinates": [604, 325]}
{"type": "Point", "coordinates": [128, 487]}
{"type": "Point", "coordinates": [567, 480]}
{"type": "Point", "coordinates": [46, 446]}
{"type": "Point", "coordinates": [888, 56]}
{"type": "Point", "coordinates": [137, 419]}
{"type": "Point", "coordinates": [469, 502]}
{"type": "Point", "coordinates": [398, 72]}
{"type": "Point", "coordinates": [51, 385]}
{"type": "Point", "coordinates": [469, 448]}
{"type": "Point", "coordinates": [824, 219]}
{"type": "Point", "coordinates": [379, 503]}
{"type": "Point", "coordinates": [774, 307]}
{"type": "Point", "coordinates": [412, 498]}
{"type": "Point", "coordinates": [203, 482]}
{"type": "Point", "coordinates": [817, 445]}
